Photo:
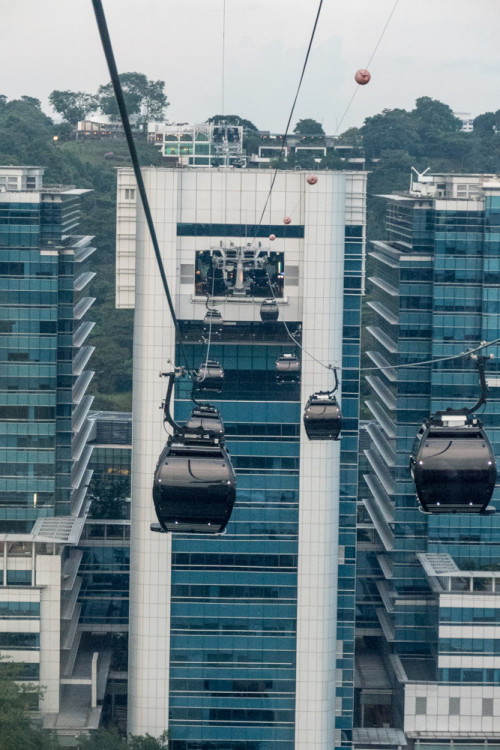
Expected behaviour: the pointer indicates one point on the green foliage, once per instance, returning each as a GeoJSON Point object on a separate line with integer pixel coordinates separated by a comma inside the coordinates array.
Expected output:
{"type": "Point", "coordinates": [73, 106]}
{"type": "Point", "coordinates": [308, 126]}
{"type": "Point", "coordinates": [232, 120]}
{"type": "Point", "coordinates": [433, 120]}
{"type": "Point", "coordinates": [143, 97]}
{"type": "Point", "coordinates": [109, 494]}
{"type": "Point", "coordinates": [17, 729]}
{"type": "Point", "coordinates": [392, 130]}
{"type": "Point", "coordinates": [351, 137]}
{"type": "Point", "coordinates": [110, 740]}
{"type": "Point", "coordinates": [486, 125]}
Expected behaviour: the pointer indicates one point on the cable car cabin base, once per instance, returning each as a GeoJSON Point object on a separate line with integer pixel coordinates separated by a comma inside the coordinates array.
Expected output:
{"type": "Point", "coordinates": [322, 417]}
{"type": "Point", "coordinates": [194, 487]}
{"type": "Point", "coordinates": [287, 369]}
{"type": "Point", "coordinates": [453, 465]}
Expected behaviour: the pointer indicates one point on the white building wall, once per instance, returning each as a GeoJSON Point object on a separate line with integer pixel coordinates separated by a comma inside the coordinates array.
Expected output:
{"type": "Point", "coordinates": [445, 718]}
{"type": "Point", "coordinates": [149, 552]}
{"type": "Point", "coordinates": [48, 576]}
{"type": "Point", "coordinates": [322, 270]}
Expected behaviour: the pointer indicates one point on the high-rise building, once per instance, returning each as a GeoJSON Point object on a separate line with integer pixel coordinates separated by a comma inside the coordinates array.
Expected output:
{"type": "Point", "coordinates": [245, 641]}
{"type": "Point", "coordinates": [428, 606]}
{"type": "Point", "coordinates": [44, 278]}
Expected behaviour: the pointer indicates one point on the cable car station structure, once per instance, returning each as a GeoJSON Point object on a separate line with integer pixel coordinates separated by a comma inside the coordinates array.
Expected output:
{"type": "Point", "coordinates": [284, 565]}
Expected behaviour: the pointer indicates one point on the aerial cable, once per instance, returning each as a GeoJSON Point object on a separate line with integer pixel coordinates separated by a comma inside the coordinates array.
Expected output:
{"type": "Point", "coordinates": [292, 337]}
{"type": "Point", "coordinates": [327, 366]}
{"type": "Point", "coordinates": [223, 53]}
{"type": "Point", "coordinates": [209, 297]}
{"type": "Point", "coordinates": [467, 353]}
{"type": "Point", "coordinates": [115, 80]}
{"type": "Point", "coordinates": [283, 145]}
{"type": "Point", "coordinates": [367, 66]}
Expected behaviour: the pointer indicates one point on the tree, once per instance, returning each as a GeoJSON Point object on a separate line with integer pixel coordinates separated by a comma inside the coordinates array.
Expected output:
{"type": "Point", "coordinates": [432, 120]}
{"type": "Point", "coordinates": [309, 127]}
{"type": "Point", "coordinates": [109, 494]}
{"type": "Point", "coordinates": [352, 136]}
{"type": "Point", "coordinates": [485, 125]}
{"type": "Point", "coordinates": [32, 101]}
{"type": "Point", "coordinates": [392, 130]}
{"type": "Point", "coordinates": [143, 98]}
{"type": "Point", "coordinates": [247, 125]}
{"type": "Point", "coordinates": [73, 106]}
{"type": "Point", "coordinates": [17, 729]}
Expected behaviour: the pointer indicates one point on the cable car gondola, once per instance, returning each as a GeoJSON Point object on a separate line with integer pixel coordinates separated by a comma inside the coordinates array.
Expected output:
{"type": "Point", "coordinates": [322, 415]}
{"type": "Point", "coordinates": [210, 377]}
{"type": "Point", "coordinates": [205, 421]}
{"type": "Point", "coordinates": [452, 462]}
{"type": "Point", "coordinates": [194, 483]}
{"type": "Point", "coordinates": [269, 311]}
{"type": "Point", "coordinates": [212, 324]}
{"type": "Point", "coordinates": [287, 369]}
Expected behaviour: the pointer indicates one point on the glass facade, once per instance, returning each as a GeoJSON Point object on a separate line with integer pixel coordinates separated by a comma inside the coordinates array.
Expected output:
{"type": "Point", "coordinates": [234, 598]}
{"type": "Point", "coordinates": [431, 296]}
{"type": "Point", "coordinates": [43, 279]}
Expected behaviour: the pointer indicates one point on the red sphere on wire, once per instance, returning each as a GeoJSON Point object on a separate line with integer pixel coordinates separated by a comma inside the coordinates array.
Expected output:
{"type": "Point", "coordinates": [312, 179]}
{"type": "Point", "coordinates": [272, 237]}
{"type": "Point", "coordinates": [362, 76]}
{"type": "Point", "coordinates": [287, 220]}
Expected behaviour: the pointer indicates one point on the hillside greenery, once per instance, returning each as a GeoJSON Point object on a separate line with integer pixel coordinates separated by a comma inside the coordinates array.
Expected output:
{"type": "Point", "coordinates": [394, 140]}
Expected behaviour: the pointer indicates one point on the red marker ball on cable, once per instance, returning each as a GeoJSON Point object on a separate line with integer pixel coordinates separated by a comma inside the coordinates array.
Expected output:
{"type": "Point", "coordinates": [287, 220]}
{"type": "Point", "coordinates": [312, 179]}
{"type": "Point", "coordinates": [272, 237]}
{"type": "Point", "coordinates": [362, 76]}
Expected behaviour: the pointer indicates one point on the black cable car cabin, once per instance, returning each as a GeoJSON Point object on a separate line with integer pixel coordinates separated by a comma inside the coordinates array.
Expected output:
{"type": "Point", "coordinates": [194, 483]}
{"type": "Point", "coordinates": [453, 466]}
{"type": "Point", "coordinates": [452, 462]}
{"type": "Point", "coordinates": [212, 324]}
{"type": "Point", "coordinates": [269, 311]}
{"type": "Point", "coordinates": [210, 377]}
{"type": "Point", "coordinates": [287, 369]}
{"type": "Point", "coordinates": [322, 417]}
{"type": "Point", "coordinates": [205, 421]}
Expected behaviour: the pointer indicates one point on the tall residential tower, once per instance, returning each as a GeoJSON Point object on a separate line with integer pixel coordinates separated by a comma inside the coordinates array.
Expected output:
{"type": "Point", "coordinates": [432, 595]}
{"type": "Point", "coordinates": [44, 277]}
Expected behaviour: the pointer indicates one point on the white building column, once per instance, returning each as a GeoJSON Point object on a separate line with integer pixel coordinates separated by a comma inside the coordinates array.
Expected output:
{"type": "Point", "coordinates": [321, 285]}
{"type": "Point", "coordinates": [150, 553]}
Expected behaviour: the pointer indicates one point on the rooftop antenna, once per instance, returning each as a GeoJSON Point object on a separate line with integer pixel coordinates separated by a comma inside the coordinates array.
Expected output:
{"type": "Point", "coordinates": [421, 177]}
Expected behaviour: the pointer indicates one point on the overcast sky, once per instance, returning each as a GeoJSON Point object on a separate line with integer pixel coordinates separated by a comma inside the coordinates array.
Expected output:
{"type": "Point", "coordinates": [446, 49]}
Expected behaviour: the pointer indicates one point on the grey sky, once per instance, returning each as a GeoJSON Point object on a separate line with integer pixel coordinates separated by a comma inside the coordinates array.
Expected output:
{"type": "Point", "coordinates": [446, 49]}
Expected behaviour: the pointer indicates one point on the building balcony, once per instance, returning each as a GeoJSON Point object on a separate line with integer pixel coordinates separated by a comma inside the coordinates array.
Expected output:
{"type": "Point", "coordinates": [388, 371]}
{"type": "Point", "coordinates": [382, 392]}
{"type": "Point", "coordinates": [384, 420]}
{"type": "Point", "coordinates": [82, 357]}
{"type": "Point", "coordinates": [82, 280]}
{"type": "Point", "coordinates": [82, 307]}
{"type": "Point", "coordinates": [81, 412]}
{"type": "Point", "coordinates": [384, 312]}
{"type": "Point", "coordinates": [386, 341]}
{"type": "Point", "coordinates": [80, 439]}
{"type": "Point", "coordinates": [380, 524]}
{"type": "Point", "coordinates": [383, 445]}
{"type": "Point", "coordinates": [81, 385]}
{"type": "Point", "coordinates": [82, 333]}
{"type": "Point", "coordinates": [386, 506]}
{"type": "Point", "coordinates": [80, 467]}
